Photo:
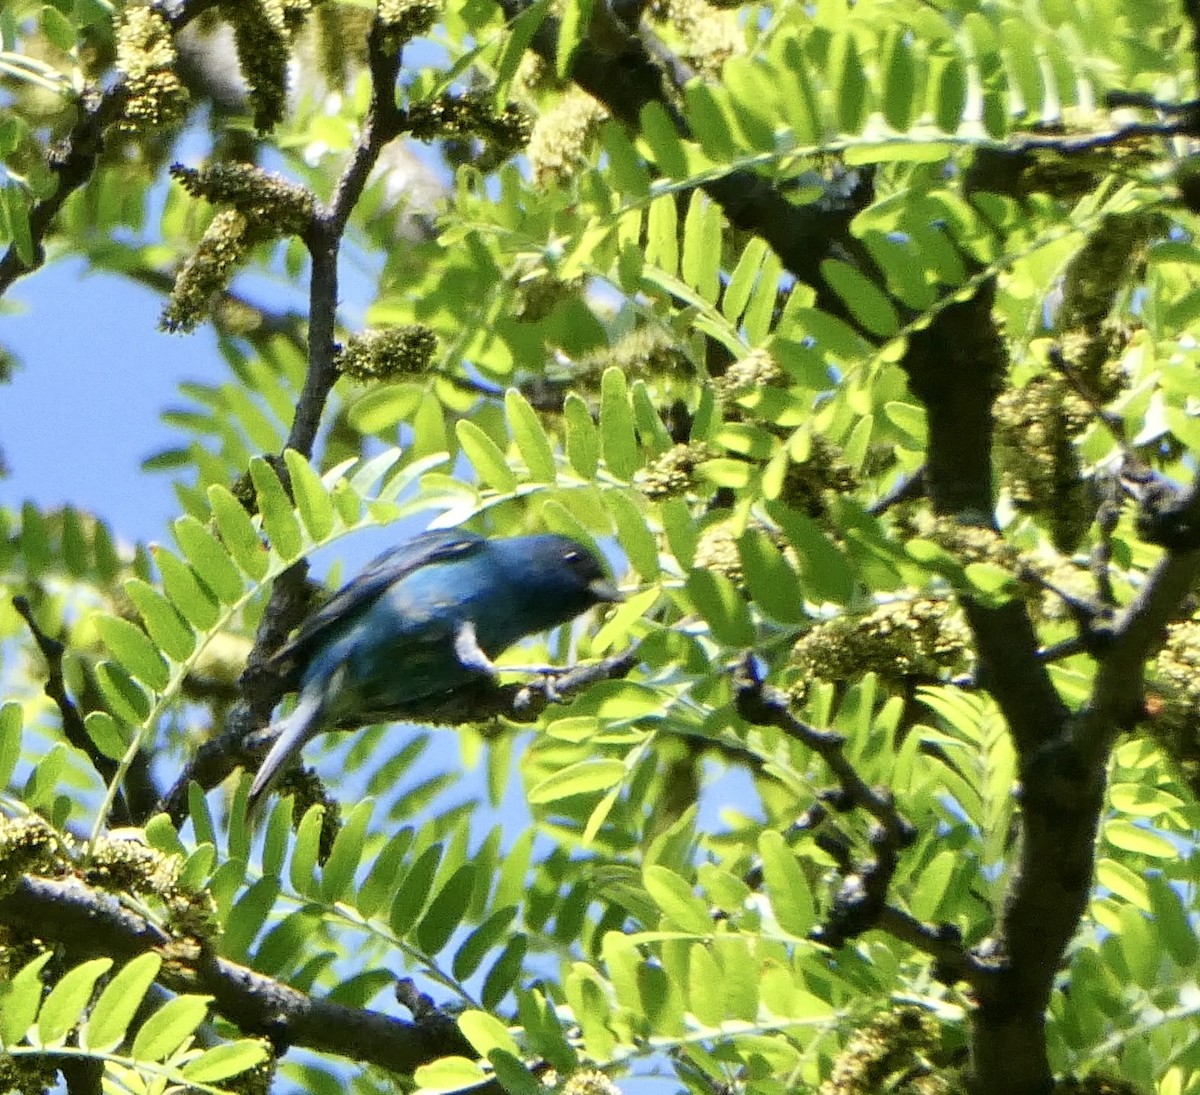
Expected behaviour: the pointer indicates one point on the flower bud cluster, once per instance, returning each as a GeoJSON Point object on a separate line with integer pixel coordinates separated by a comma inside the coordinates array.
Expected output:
{"type": "Point", "coordinates": [390, 352]}
{"type": "Point", "coordinates": [404, 20]}
{"type": "Point", "coordinates": [672, 473]}
{"type": "Point", "coordinates": [563, 135]}
{"type": "Point", "coordinates": [146, 55]}
{"type": "Point", "coordinates": [471, 115]}
{"type": "Point", "coordinates": [904, 640]}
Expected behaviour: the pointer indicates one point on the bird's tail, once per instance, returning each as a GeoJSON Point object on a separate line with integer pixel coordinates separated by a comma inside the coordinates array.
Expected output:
{"type": "Point", "coordinates": [301, 725]}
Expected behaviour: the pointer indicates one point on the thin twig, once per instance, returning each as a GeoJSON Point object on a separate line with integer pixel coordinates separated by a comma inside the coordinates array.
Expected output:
{"type": "Point", "coordinates": [56, 689]}
{"type": "Point", "coordinates": [763, 705]}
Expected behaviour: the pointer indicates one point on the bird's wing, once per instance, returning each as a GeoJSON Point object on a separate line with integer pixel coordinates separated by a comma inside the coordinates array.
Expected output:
{"type": "Point", "coordinates": [382, 572]}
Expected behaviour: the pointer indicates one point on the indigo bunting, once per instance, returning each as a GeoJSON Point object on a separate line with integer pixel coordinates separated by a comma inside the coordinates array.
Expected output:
{"type": "Point", "coordinates": [424, 618]}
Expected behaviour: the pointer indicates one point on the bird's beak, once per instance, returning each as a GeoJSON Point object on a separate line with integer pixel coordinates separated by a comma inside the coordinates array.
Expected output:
{"type": "Point", "coordinates": [604, 590]}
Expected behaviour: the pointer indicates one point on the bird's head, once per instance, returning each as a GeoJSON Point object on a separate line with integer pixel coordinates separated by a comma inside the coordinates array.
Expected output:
{"type": "Point", "coordinates": [558, 575]}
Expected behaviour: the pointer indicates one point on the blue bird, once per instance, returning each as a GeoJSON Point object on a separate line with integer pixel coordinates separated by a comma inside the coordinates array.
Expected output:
{"type": "Point", "coordinates": [422, 619]}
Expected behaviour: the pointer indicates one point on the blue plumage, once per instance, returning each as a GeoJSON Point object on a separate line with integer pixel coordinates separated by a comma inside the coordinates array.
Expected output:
{"type": "Point", "coordinates": [420, 620]}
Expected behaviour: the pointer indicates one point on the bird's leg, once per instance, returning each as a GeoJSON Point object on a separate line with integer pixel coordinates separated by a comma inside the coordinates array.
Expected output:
{"type": "Point", "coordinates": [471, 656]}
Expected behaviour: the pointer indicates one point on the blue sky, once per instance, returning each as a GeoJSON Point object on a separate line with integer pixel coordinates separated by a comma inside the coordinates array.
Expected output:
{"type": "Point", "coordinates": [82, 410]}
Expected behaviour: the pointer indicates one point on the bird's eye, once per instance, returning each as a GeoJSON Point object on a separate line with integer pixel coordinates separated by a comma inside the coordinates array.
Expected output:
{"type": "Point", "coordinates": [571, 556]}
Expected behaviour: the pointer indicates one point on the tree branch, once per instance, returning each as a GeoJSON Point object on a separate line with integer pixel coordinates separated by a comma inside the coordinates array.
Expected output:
{"type": "Point", "coordinates": [56, 689]}
{"type": "Point", "coordinates": [759, 703]}
{"type": "Point", "coordinates": [87, 923]}
{"type": "Point", "coordinates": [1117, 696]}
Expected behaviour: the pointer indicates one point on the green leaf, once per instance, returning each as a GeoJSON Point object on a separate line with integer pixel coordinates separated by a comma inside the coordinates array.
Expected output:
{"type": "Point", "coordinates": [169, 1027]}
{"type": "Point", "coordinates": [724, 609]}
{"type": "Point", "coordinates": [662, 138]}
{"type": "Point", "coordinates": [584, 777]}
{"type": "Point", "coordinates": [275, 843]}
{"type": "Point", "coordinates": [302, 870]}
{"type": "Point", "coordinates": [133, 648]}
{"type": "Point", "coordinates": [520, 33]}
{"type": "Point", "coordinates": [278, 518]}
{"type": "Point", "coordinates": [202, 821]}
{"type": "Point", "coordinates": [163, 621]}
{"type": "Point", "coordinates": [674, 896]}
{"type": "Point", "coordinates": [701, 263]}
{"type": "Point", "coordinates": [741, 281]}
{"type": "Point", "coordinates": [798, 94]}
{"type": "Point", "coordinates": [635, 537]}
{"type": "Point", "coordinates": [1136, 838]}
{"type": "Point", "coordinates": [764, 299]}
{"type": "Point", "coordinates": [312, 500]}
{"type": "Point", "coordinates": [845, 73]}
{"type": "Point", "coordinates": [544, 1032]}
{"type": "Point", "coordinates": [162, 835]}
{"type": "Point", "coordinates": [680, 527]}
{"type": "Point", "coordinates": [502, 977]}
{"type": "Point", "coordinates": [448, 1074]}
{"type": "Point", "coordinates": [124, 696]}
{"type": "Point", "coordinates": [703, 974]}
{"type": "Point", "coordinates": [225, 1060]}
{"type": "Point", "coordinates": [651, 430]}
{"type": "Point", "coordinates": [413, 892]}
{"type": "Point", "coordinates": [620, 700]}
{"type": "Point", "coordinates": [583, 441]}
{"type": "Point", "coordinates": [20, 997]}
{"type": "Point", "coordinates": [287, 944]}
{"type": "Point", "coordinates": [772, 583]}
{"type": "Point", "coordinates": [10, 740]}
{"type": "Point", "coordinates": [485, 1032]}
{"type": "Point", "coordinates": [58, 29]}
{"type": "Point", "coordinates": [617, 438]}
{"type": "Point", "coordinates": [572, 29]}
{"type": "Point", "coordinates": [709, 121]}
{"type": "Point", "coordinates": [530, 436]}
{"type": "Point", "coordinates": [661, 1000]}
{"type": "Point", "coordinates": [238, 534]}
{"type": "Point", "coordinates": [194, 601]}
{"type": "Point", "coordinates": [42, 785]}
{"type": "Point", "coordinates": [107, 734]}
{"type": "Point", "coordinates": [899, 82]}
{"type": "Point", "coordinates": [338, 874]}
{"type": "Point", "coordinates": [117, 1004]}
{"type": "Point", "coordinates": [949, 83]}
{"type": "Point", "coordinates": [247, 917]}
{"type": "Point", "coordinates": [380, 409]}
{"type": "Point", "coordinates": [866, 302]}
{"type": "Point", "coordinates": [662, 234]}
{"type": "Point", "coordinates": [740, 977]}
{"type": "Point", "coordinates": [485, 456]}
{"type": "Point", "coordinates": [514, 1075]}
{"type": "Point", "coordinates": [383, 874]}
{"type": "Point", "coordinates": [1171, 922]}
{"type": "Point", "coordinates": [367, 475]}
{"type": "Point", "coordinates": [209, 559]}
{"type": "Point", "coordinates": [932, 885]}
{"type": "Point", "coordinates": [625, 166]}
{"type": "Point", "coordinates": [66, 1002]}
{"type": "Point", "coordinates": [753, 100]}
{"type": "Point", "coordinates": [476, 946]}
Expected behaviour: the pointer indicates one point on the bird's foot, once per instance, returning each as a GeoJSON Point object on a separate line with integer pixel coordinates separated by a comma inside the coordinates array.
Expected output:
{"type": "Point", "coordinates": [548, 673]}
